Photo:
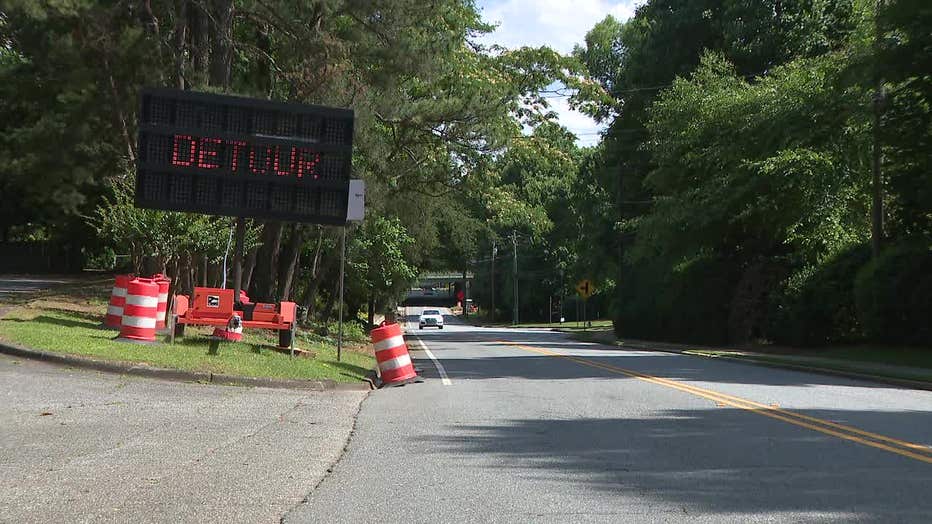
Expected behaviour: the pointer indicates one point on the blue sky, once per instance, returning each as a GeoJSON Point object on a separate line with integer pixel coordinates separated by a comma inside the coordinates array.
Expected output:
{"type": "Point", "coordinates": [559, 24]}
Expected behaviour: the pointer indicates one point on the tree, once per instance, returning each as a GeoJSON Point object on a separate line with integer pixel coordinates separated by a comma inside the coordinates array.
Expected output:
{"type": "Point", "coordinates": [377, 264]}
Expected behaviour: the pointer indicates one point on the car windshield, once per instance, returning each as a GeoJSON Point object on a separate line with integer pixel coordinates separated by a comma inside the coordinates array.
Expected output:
{"type": "Point", "coordinates": [430, 312]}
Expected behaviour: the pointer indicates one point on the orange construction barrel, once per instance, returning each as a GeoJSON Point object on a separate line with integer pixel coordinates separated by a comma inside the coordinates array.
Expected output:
{"type": "Point", "coordinates": [164, 283]}
{"type": "Point", "coordinates": [392, 354]}
{"type": "Point", "coordinates": [140, 310]}
{"type": "Point", "coordinates": [117, 299]}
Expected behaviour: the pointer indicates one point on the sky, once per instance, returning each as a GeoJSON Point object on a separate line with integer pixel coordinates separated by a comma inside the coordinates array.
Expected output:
{"type": "Point", "coordinates": [559, 24]}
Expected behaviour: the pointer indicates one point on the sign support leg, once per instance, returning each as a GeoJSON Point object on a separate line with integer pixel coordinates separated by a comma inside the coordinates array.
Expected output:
{"type": "Point", "coordinates": [238, 257]}
{"type": "Point", "coordinates": [342, 266]}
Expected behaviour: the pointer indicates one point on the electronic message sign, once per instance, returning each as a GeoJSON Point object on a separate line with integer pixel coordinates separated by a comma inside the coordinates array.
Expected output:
{"type": "Point", "coordinates": [228, 155]}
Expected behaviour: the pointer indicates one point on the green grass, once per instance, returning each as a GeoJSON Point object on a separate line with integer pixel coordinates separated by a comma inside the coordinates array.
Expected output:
{"type": "Point", "coordinates": [903, 363]}
{"type": "Point", "coordinates": [77, 333]}
{"type": "Point", "coordinates": [892, 362]}
{"type": "Point", "coordinates": [566, 326]}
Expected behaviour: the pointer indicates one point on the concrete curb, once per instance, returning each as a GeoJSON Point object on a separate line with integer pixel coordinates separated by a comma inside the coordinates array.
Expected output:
{"type": "Point", "coordinates": [892, 381]}
{"type": "Point", "coordinates": [177, 375]}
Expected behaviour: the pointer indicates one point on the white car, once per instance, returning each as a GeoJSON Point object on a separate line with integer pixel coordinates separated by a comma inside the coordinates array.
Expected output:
{"type": "Point", "coordinates": [430, 318]}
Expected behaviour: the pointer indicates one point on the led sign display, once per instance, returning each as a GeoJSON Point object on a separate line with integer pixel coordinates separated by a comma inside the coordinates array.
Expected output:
{"type": "Point", "coordinates": [226, 155]}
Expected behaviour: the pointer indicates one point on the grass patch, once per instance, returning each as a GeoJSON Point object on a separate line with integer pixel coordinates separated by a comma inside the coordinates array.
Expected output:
{"type": "Point", "coordinates": [565, 326]}
{"type": "Point", "coordinates": [902, 363]}
{"type": "Point", "coordinates": [59, 329]}
{"type": "Point", "coordinates": [909, 363]}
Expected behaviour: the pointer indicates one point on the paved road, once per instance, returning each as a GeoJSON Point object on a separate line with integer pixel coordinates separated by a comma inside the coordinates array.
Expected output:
{"type": "Point", "coordinates": [79, 446]}
{"type": "Point", "coordinates": [532, 427]}
{"type": "Point", "coordinates": [13, 287]}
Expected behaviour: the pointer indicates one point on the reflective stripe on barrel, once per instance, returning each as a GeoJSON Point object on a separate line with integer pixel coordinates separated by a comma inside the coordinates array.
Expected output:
{"type": "Point", "coordinates": [392, 354]}
{"type": "Point", "coordinates": [140, 310]}
{"type": "Point", "coordinates": [117, 299]}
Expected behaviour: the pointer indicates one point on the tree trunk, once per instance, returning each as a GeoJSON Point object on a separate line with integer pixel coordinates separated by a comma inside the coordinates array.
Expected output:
{"type": "Point", "coordinates": [266, 271]}
{"type": "Point", "coordinates": [221, 42]}
{"type": "Point", "coordinates": [310, 293]}
{"type": "Point", "coordinates": [204, 275]}
{"type": "Point", "coordinates": [249, 267]}
{"type": "Point", "coordinates": [371, 308]}
{"type": "Point", "coordinates": [289, 261]}
{"type": "Point", "coordinates": [327, 311]}
{"type": "Point", "coordinates": [263, 67]}
{"type": "Point", "coordinates": [199, 21]}
{"type": "Point", "coordinates": [180, 36]}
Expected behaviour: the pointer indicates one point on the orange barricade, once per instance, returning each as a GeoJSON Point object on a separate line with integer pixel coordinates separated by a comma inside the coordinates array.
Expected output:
{"type": "Point", "coordinates": [392, 354]}
{"type": "Point", "coordinates": [117, 299]}
{"type": "Point", "coordinates": [164, 283]}
{"type": "Point", "coordinates": [140, 310]}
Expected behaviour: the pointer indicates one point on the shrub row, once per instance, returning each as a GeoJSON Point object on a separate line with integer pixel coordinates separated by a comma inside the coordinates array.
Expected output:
{"type": "Point", "coordinates": [850, 298]}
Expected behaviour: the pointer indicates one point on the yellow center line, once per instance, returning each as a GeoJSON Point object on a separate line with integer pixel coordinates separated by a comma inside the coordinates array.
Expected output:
{"type": "Point", "coordinates": [842, 431]}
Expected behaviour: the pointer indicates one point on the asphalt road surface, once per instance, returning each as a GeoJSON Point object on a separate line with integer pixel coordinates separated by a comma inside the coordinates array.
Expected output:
{"type": "Point", "coordinates": [80, 446]}
{"type": "Point", "coordinates": [530, 426]}
{"type": "Point", "coordinates": [15, 286]}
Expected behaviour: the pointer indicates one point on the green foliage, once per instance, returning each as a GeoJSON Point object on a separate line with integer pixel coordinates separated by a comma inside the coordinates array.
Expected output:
{"type": "Point", "coordinates": [378, 266]}
{"type": "Point", "coordinates": [816, 306]}
{"type": "Point", "coordinates": [761, 168]}
{"type": "Point", "coordinates": [686, 303]}
{"type": "Point", "coordinates": [894, 294]}
{"type": "Point", "coordinates": [164, 235]}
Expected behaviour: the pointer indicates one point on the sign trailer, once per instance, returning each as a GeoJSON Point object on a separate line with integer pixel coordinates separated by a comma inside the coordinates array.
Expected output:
{"type": "Point", "coordinates": [243, 157]}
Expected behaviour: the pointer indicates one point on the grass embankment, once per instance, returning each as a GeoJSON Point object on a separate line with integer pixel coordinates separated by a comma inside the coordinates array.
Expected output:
{"type": "Point", "coordinates": [908, 363]}
{"type": "Point", "coordinates": [70, 324]}
{"type": "Point", "coordinates": [900, 363]}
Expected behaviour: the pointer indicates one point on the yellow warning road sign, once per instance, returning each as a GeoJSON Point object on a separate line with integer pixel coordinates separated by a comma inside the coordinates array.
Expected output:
{"type": "Point", "coordinates": [585, 288]}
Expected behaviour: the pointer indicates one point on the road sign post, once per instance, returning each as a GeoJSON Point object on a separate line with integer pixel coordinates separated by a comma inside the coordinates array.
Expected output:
{"type": "Point", "coordinates": [585, 289]}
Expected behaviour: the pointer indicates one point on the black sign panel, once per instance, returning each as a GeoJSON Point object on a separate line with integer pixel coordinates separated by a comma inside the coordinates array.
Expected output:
{"type": "Point", "coordinates": [227, 155]}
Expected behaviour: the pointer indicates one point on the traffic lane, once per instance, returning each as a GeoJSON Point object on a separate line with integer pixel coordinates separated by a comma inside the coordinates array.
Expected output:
{"type": "Point", "coordinates": [899, 413]}
{"type": "Point", "coordinates": [77, 445]}
{"type": "Point", "coordinates": [894, 412]}
{"type": "Point", "coordinates": [512, 448]}
{"type": "Point", "coordinates": [13, 287]}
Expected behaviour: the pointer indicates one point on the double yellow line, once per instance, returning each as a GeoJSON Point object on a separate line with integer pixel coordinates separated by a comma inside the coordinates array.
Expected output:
{"type": "Point", "coordinates": [867, 438]}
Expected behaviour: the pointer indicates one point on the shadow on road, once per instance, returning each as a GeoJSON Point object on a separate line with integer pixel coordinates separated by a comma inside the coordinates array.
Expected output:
{"type": "Point", "coordinates": [520, 363]}
{"type": "Point", "coordinates": [713, 459]}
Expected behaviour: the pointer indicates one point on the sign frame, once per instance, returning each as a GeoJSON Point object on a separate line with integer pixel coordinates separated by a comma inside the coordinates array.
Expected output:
{"type": "Point", "coordinates": [311, 147]}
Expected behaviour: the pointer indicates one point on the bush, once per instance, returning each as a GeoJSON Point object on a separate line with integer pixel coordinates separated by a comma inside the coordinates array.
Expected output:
{"type": "Point", "coordinates": [688, 303]}
{"type": "Point", "coordinates": [894, 295]}
{"type": "Point", "coordinates": [817, 306]}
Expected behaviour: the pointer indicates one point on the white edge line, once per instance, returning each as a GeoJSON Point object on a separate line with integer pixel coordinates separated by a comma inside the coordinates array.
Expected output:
{"type": "Point", "coordinates": [444, 379]}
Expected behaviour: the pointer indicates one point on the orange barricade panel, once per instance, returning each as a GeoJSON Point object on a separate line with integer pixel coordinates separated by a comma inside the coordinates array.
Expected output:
{"type": "Point", "coordinates": [181, 305]}
{"type": "Point", "coordinates": [264, 312]}
{"type": "Point", "coordinates": [288, 312]}
{"type": "Point", "coordinates": [212, 302]}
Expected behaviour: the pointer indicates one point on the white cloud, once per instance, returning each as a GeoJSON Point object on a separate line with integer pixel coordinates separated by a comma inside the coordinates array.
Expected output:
{"type": "Point", "coordinates": [585, 129]}
{"type": "Point", "coordinates": [559, 24]}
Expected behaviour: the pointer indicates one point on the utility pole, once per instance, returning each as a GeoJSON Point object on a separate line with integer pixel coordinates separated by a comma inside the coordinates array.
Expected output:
{"type": "Point", "coordinates": [562, 294]}
{"type": "Point", "coordinates": [492, 282]}
{"type": "Point", "coordinates": [465, 294]}
{"type": "Point", "coordinates": [342, 272]}
{"type": "Point", "coordinates": [514, 242]}
{"type": "Point", "coordinates": [877, 158]}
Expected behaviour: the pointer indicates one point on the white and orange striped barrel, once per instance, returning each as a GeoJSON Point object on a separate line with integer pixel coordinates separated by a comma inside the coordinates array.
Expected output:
{"type": "Point", "coordinates": [392, 354]}
{"type": "Point", "coordinates": [117, 299]}
{"type": "Point", "coordinates": [164, 283]}
{"type": "Point", "coordinates": [140, 310]}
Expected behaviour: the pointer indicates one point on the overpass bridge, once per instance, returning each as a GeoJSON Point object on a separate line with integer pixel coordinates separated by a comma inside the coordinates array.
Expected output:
{"type": "Point", "coordinates": [438, 288]}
